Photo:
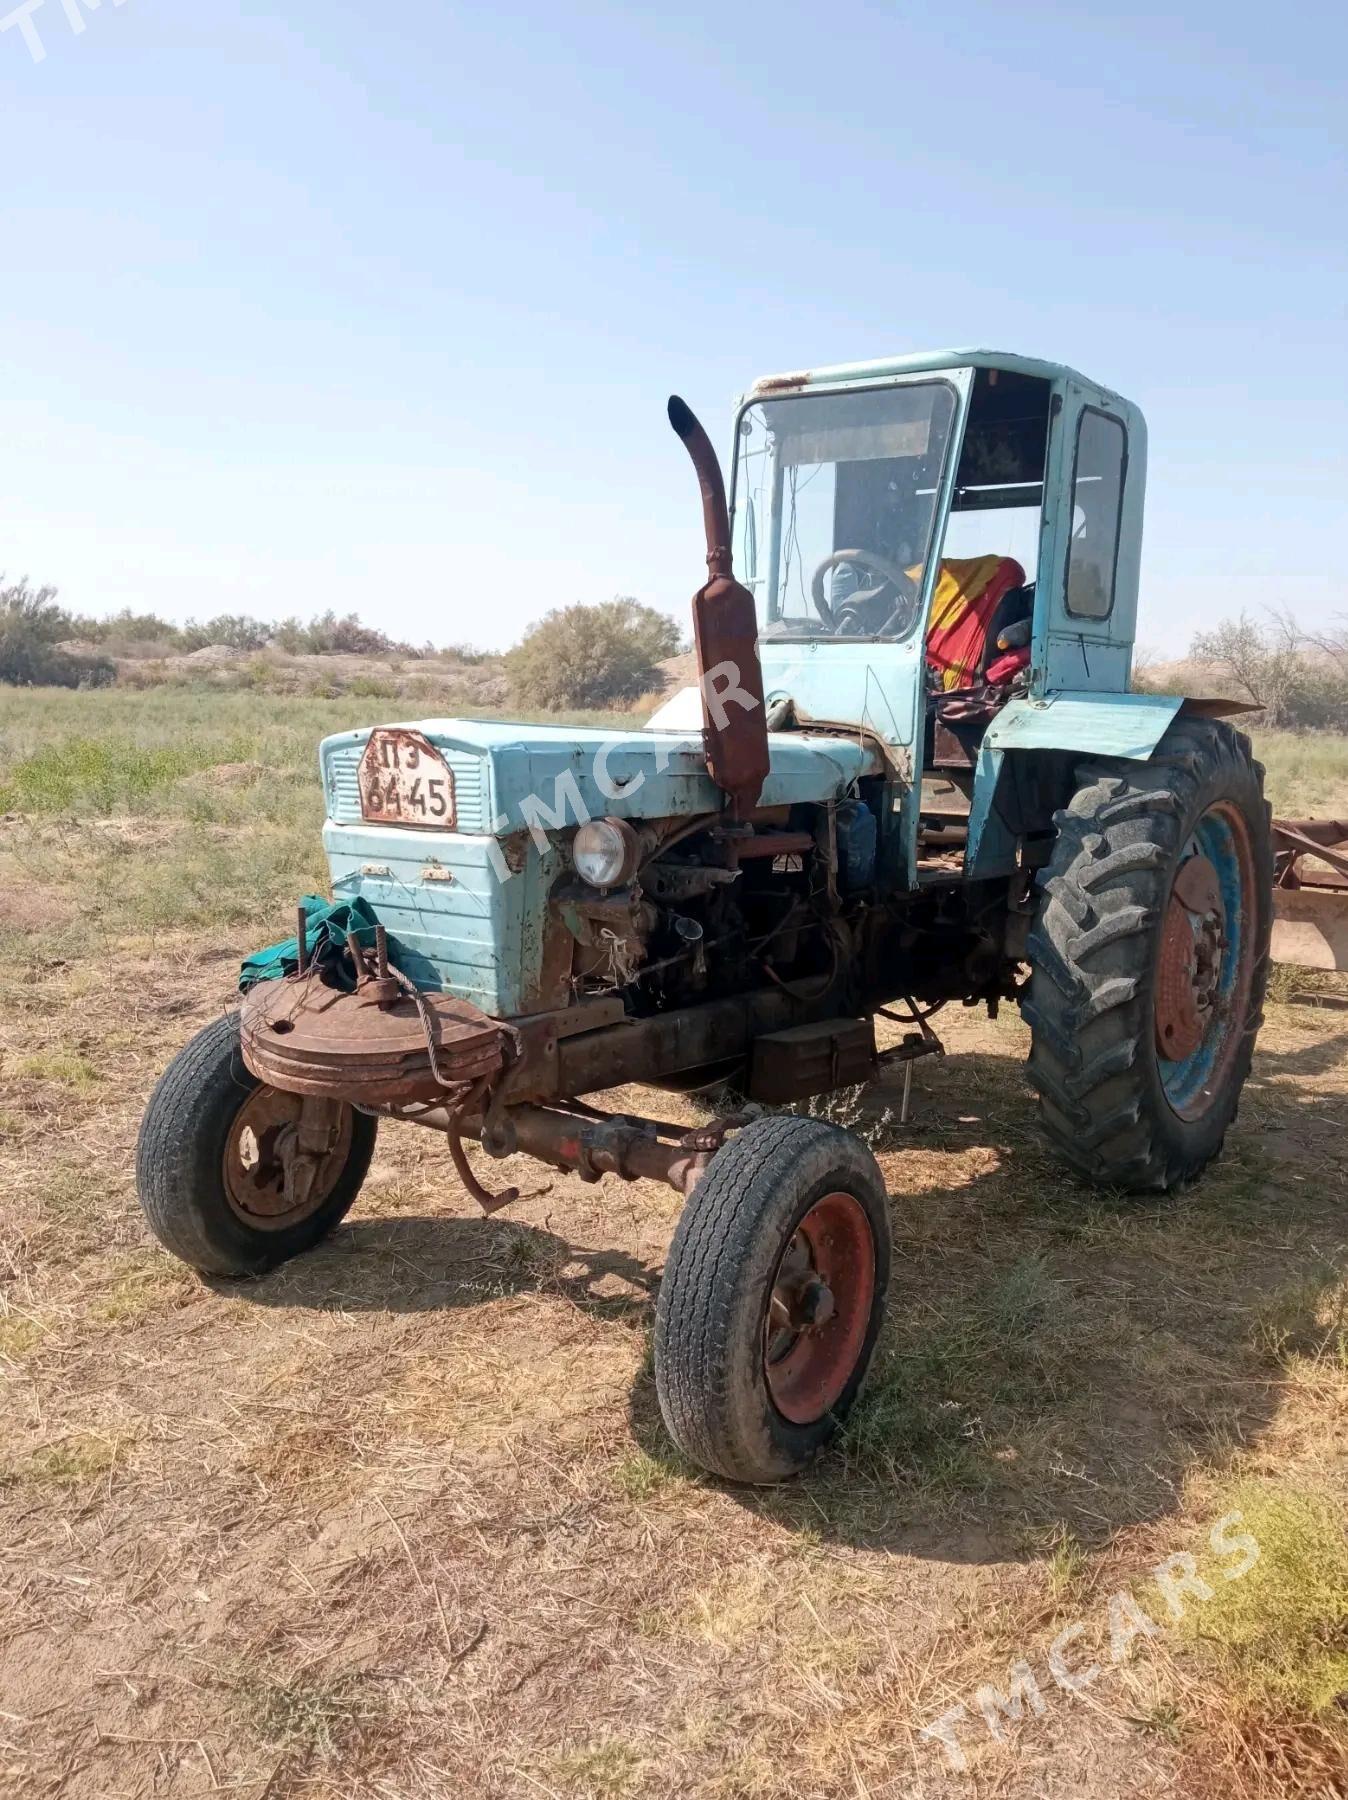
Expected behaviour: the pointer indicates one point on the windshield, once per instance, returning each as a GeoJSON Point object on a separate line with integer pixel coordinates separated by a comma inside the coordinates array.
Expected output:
{"type": "Point", "coordinates": [835, 500]}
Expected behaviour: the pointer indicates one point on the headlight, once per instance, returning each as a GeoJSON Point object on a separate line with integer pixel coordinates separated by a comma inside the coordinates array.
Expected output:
{"type": "Point", "coordinates": [606, 853]}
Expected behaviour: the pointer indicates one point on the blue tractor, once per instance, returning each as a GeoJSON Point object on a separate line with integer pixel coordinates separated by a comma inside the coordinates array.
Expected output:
{"type": "Point", "coordinates": [912, 771]}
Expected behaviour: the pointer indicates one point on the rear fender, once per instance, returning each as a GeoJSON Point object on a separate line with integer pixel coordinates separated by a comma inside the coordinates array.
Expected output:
{"type": "Point", "coordinates": [1128, 726]}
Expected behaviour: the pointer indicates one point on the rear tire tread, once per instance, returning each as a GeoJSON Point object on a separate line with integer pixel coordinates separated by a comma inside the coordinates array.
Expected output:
{"type": "Point", "coordinates": [1093, 948]}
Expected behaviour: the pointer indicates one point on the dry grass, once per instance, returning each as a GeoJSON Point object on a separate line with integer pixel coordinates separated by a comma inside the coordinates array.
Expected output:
{"type": "Point", "coordinates": [401, 1521]}
{"type": "Point", "coordinates": [1307, 773]}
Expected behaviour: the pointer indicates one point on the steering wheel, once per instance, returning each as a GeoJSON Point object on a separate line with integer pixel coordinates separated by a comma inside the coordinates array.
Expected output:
{"type": "Point", "coordinates": [888, 571]}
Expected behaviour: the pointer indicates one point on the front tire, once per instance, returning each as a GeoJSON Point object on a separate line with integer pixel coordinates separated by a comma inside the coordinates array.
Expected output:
{"type": "Point", "coordinates": [215, 1161]}
{"type": "Point", "coordinates": [772, 1297]}
{"type": "Point", "coordinates": [1150, 958]}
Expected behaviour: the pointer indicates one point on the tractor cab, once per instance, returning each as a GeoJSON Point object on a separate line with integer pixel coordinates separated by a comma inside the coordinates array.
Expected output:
{"type": "Point", "coordinates": [928, 541]}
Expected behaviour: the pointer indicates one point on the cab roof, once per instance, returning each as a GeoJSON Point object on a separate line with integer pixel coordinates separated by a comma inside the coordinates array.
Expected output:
{"type": "Point", "coordinates": [921, 362]}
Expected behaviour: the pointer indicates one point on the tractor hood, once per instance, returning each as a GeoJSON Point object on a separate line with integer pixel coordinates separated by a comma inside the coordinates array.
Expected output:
{"type": "Point", "coordinates": [509, 777]}
{"type": "Point", "coordinates": [460, 870]}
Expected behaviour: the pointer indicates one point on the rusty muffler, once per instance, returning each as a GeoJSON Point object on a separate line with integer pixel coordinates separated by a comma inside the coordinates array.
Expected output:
{"type": "Point", "coordinates": [725, 635]}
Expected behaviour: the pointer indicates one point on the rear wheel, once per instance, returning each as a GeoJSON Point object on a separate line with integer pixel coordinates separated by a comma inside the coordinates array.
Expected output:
{"type": "Point", "coordinates": [1150, 958]}
{"type": "Point", "coordinates": [235, 1176]}
{"type": "Point", "coordinates": [772, 1297]}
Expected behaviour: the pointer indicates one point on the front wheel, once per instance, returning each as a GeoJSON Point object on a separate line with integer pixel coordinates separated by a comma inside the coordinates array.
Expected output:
{"type": "Point", "coordinates": [772, 1297]}
{"type": "Point", "coordinates": [235, 1176]}
{"type": "Point", "coordinates": [1150, 957]}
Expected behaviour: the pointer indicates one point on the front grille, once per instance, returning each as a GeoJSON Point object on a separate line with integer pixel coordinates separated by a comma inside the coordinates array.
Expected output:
{"type": "Point", "coordinates": [469, 787]}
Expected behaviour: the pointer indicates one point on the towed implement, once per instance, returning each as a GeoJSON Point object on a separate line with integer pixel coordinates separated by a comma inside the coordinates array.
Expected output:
{"type": "Point", "coordinates": [1310, 894]}
{"type": "Point", "coordinates": [911, 772]}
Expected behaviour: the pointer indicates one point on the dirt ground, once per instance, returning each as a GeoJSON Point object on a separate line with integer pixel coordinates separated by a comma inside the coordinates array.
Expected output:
{"type": "Point", "coordinates": [400, 1520]}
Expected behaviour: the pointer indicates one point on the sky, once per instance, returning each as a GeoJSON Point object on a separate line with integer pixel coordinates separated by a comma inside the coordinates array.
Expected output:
{"type": "Point", "coordinates": [378, 308]}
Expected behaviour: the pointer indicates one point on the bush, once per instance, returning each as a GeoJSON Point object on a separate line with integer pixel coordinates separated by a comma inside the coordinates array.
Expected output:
{"type": "Point", "coordinates": [1259, 661]}
{"type": "Point", "coordinates": [467, 654]}
{"type": "Point", "coordinates": [591, 656]}
{"type": "Point", "coordinates": [236, 630]}
{"type": "Point", "coordinates": [328, 635]}
{"type": "Point", "coordinates": [1300, 681]}
{"type": "Point", "coordinates": [31, 626]}
{"type": "Point", "coordinates": [128, 633]}
{"type": "Point", "coordinates": [1316, 699]}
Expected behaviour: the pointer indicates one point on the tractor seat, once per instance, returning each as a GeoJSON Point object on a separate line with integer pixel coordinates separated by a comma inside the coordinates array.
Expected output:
{"type": "Point", "coordinates": [969, 593]}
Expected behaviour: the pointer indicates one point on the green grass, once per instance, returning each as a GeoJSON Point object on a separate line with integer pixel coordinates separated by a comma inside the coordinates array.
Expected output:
{"type": "Point", "coordinates": [121, 811]}
{"type": "Point", "coordinates": [1066, 1566]}
{"type": "Point", "coordinates": [65, 1067]}
{"type": "Point", "coordinates": [124, 752]}
{"type": "Point", "coordinates": [119, 808]}
{"type": "Point", "coordinates": [921, 1421]}
{"type": "Point", "coordinates": [641, 1476]}
{"type": "Point", "coordinates": [1280, 1632]}
{"type": "Point", "coordinates": [101, 775]}
{"type": "Point", "coordinates": [66, 1464]}
{"type": "Point", "coordinates": [19, 1335]}
{"type": "Point", "coordinates": [139, 1285]}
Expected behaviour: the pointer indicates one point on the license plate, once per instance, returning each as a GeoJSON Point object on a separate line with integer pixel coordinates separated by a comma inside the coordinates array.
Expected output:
{"type": "Point", "coordinates": [405, 781]}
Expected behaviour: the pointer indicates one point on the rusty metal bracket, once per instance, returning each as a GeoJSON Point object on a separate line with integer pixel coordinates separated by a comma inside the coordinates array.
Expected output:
{"type": "Point", "coordinates": [1310, 903]}
{"type": "Point", "coordinates": [1326, 839]}
{"type": "Point", "coordinates": [488, 1201]}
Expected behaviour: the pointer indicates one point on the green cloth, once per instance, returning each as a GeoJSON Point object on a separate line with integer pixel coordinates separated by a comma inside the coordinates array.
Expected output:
{"type": "Point", "coordinates": [325, 923]}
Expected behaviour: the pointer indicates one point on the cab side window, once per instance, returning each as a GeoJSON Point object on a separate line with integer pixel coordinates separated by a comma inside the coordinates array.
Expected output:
{"type": "Point", "coordinates": [1097, 497]}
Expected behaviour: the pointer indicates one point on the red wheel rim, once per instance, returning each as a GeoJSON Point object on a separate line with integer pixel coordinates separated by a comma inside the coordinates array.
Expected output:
{"type": "Point", "coordinates": [819, 1309]}
{"type": "Point", "coordinates": [1205, 962]}
{"type": "Point", "coordinates": [271, 1180]}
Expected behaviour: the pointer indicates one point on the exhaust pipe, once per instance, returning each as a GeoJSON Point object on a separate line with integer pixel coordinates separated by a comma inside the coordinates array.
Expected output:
{"type": "Point", "coordinates": [725, 635]}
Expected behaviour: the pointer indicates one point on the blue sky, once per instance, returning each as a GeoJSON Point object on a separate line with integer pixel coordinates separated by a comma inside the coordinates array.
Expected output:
{"type": "Point", "coordinates": [377, 308]}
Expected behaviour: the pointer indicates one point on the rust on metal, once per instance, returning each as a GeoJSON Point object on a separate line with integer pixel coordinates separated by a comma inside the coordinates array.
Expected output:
{"type": "Point", "coordinates": [404, 780]}
{"type": "Point", "coordinates": [725, 635]}
{"type": "Point", "coordinates": [1310, 893]}
{"type": "Point", "coordinates": [1179, 1025]}
{"type": "Point", "coordinates": [1189, 965]}
{"type": "Point", "coordinates": [772, 843]}
{"type": "Point", "coordinates": [383, 987]}
{"type": "Point", "coordinates": [308, 1037]}
{"type": "Point", "coordinates": [1216, 706]}
{"type": "Point", "coordinates": [1197, 887]}
{"type": "Point", "coordinates": [819, 1308]}
{"type": "Point", "coordinates": [782, 384]}
{"type": "Point", "coordinates": [583, 1142]}
{"type": "Point", "coordinates": [810, 1059]}
{"type": "Point", "coordinates": [1324, 839]}
{"type": "Point", "coordinates": [454, 1126]}
{"type": "Point", "coordinates": [283, 1156]}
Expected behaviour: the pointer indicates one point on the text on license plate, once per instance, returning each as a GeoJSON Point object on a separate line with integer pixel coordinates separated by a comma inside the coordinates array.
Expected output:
{"type": "Point", "coordinates": [404, 781]}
